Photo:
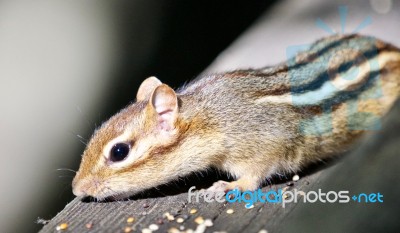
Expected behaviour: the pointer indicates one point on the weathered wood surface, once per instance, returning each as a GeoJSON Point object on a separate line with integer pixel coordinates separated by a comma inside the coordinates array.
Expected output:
{"type": "Point", "coordinates": [112, 216]}
{"type": "Point", "coordinates": [373, 167]}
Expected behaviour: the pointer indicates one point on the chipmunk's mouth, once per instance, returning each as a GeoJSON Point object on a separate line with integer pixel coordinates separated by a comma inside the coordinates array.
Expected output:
{"type": "Point", "coordinates": [90, 187]}
{"type": "Point", "coordinates": [99, 192]}
{"type": "Point", "coordinates": [110, 189]}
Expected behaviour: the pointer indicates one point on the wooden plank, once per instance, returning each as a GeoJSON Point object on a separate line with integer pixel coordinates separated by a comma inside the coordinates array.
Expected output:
{"type": "Point", "coordinates": [112, 216]}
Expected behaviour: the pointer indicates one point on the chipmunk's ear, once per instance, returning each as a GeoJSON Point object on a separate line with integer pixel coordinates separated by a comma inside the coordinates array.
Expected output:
{"type": "Point", "coordinates": [165, 104]}
{"type": "Point", "coordinates": [147, 87]}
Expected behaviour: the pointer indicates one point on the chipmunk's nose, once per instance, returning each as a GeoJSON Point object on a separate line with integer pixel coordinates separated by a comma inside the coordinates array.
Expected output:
{"type": "Point", "coordinates": [78, 188]}
{"type": "Point", "coordinates": [87, 186]}
{"type": "Point", "coordinates": [79, 192]}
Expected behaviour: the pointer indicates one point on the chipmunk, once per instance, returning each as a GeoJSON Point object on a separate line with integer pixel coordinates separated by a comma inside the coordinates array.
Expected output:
{"type": "Point", "coordinates": [249, 123]}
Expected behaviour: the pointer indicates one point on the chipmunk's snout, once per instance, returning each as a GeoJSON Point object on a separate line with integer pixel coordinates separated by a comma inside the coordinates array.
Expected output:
{"type": "Point", "coordinates": [78, 188]}
{"type": "Point", "coordinates": [86, 187]}
{"type": "Point", "coordinates": [78, 191]}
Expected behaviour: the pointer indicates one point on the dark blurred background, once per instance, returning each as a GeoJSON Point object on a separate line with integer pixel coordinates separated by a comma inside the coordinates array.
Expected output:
{"type": "Point", "coordinates": [67, 66]}
{"type": "Point", "coordinates": [178, 42]}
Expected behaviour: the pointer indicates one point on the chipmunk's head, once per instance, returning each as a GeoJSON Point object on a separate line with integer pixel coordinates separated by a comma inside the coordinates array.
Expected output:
{"type": "Point", "coordinates": [128, 153]}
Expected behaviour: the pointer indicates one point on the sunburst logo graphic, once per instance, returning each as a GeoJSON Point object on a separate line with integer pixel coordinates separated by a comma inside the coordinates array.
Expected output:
{"type": "Point", "coordinates": [339, 72]}
{"type": "Point", "coordinates": [343, 12]}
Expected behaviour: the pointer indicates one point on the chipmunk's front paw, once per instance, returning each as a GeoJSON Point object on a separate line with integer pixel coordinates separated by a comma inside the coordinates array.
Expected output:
{"type": "Point", "coordinates": [241, 185]}
{"type": "Point", "coordinates": [219, 186]}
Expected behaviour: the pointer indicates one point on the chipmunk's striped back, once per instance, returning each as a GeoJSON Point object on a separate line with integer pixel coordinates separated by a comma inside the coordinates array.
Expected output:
{"type": "Point", "coordinates": [336, 69]}
{"type": "Point", "coordinates": [350, 81]}
{"type": "Point", "coordinates": [322, 98]}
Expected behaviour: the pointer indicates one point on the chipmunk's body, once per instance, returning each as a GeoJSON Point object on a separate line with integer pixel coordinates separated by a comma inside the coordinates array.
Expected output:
{"type": "Point", "coordinates": [249, 123]}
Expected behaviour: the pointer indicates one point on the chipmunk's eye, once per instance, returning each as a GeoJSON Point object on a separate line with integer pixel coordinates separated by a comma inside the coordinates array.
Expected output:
{"type": "Point", "coordinates": [119, 152]}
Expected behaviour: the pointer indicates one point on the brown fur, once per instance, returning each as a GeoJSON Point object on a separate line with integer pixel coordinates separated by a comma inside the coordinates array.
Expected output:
{"type": "Point", "coordinates": [223, 121]}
